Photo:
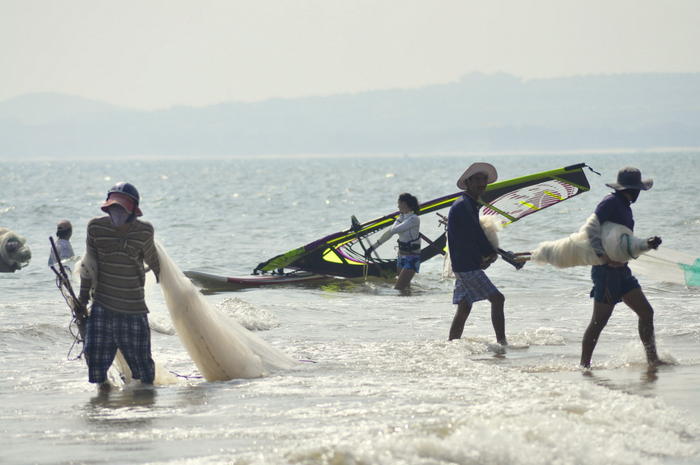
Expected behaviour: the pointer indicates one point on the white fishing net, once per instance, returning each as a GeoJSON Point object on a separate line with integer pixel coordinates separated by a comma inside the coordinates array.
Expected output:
{"type": "Point", "coordinates": [618, 241]}
{"type": "Point", "coordinates": [669, 266]}
{"type": "Point", "coordinates": [119, 373]}
{"type": "Point", "coordinates": [14, 252]}
{"type": "Point", "coordinates": [220, 347]}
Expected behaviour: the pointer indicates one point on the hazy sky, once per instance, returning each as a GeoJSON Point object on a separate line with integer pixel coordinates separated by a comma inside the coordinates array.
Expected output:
{"type": "Point", "coordinates": [153, 54]}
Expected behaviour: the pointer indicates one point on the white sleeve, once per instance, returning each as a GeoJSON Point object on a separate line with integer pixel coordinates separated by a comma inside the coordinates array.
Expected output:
{"type": "Point", "coordinates": [412, 222]}
{"type": "Point", "coordinates": [383, 238]}
{"type": "Point", "coordinates": [65, 250]}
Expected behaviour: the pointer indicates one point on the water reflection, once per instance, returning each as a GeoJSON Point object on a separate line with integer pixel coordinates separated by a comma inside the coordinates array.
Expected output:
{"type": "Point", "coordinates": [644, 385]}
{"type": "Point", "coordinates": [129, 407]}
{"type": "Point", "coordinates": [115, 399]}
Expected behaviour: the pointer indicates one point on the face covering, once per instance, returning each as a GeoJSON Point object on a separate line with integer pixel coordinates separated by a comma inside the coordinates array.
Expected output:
{"type": "Point", "coordinates": [118, 215]}
{"type": "Point", "coordinates": [634, 193]}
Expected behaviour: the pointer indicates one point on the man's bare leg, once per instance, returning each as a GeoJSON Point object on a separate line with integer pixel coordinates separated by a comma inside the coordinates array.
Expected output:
{"type": "Point", "coordinates": [460, 318]}
{"type": "Point", "coordinates": [498, 319]}
{"type": "Point", "coordinates": [637, 301]}
{"type": "Point", "coordinates": [404, 279]}
{"type": "Point", "coordinates": [601, 315]}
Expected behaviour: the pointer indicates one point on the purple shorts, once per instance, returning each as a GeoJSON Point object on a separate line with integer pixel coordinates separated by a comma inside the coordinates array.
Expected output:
{"type": "Point", "coordinates": [472, 286]}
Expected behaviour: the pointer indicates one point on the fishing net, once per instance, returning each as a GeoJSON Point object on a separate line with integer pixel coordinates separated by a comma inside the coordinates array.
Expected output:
{"type": "Point", "coordinates": [220, 347]}
{"type": "Point", "coordinates": [14, 252]}
{"type": "Point", "coordinates": [618, 241]}
{"type": "Point", "coordinates": [668, 265]}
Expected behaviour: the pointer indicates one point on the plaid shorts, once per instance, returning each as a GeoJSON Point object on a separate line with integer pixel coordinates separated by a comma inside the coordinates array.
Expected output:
{"type": "Point", "coordinates": [108, 331]}
{"type": "Point", "coordinates": [472, 286]}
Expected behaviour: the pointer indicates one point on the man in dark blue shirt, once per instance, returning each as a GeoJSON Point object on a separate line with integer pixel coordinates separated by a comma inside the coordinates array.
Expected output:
{"type": "Point", "coordinates": [613, 281]}
{"type": "Point", "coordinates": [471, 253]}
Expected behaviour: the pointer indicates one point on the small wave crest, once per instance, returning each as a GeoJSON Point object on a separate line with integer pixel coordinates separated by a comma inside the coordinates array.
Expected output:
{"type": "Point", "coordinates": [249, 316]}
{"type": "Point", "coordinates": [537, 337]}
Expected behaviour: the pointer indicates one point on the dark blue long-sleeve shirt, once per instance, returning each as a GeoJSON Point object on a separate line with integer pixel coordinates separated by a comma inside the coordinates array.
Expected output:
{"type": "Point", "coordinates": [467, 241]}
{"type": "Point", "coordinates": [614, 207]}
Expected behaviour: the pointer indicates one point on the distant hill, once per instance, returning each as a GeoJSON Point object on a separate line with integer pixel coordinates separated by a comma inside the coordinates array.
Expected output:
{"type": "Point", "coordinates": [480, 112]}
{"type": "Point", "coordinates": [47, 108]}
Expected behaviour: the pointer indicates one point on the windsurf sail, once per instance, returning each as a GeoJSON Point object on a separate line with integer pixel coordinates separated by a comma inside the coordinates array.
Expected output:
{"type": "Point", "coordinates": [340, 254]}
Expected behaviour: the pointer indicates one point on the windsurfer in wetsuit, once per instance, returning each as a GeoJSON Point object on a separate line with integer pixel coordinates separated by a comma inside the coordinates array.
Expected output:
{"type": "Point", "coordinates": [613, 281]}
{"type": "Point", "coordinates": [407, 226]}
{"type": "Point", "coordinates": [471, 253]}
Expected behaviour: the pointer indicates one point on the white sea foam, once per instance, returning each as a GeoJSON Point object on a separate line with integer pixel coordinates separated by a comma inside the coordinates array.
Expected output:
{"type": "Point", "coordinates": [484, 414]}
{"type": "Point", "coordinates": [249, 316]}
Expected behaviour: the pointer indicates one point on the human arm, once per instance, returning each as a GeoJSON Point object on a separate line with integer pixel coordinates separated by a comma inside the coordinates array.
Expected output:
{"type": "Point", "coordinates": [477, 234]}
{"type": "Point", "coordinates": [382, 239]}
{"type": "Point", "coordinates": [486, 261]}
{"type": "Point", "coordinates": [150, 256]}
{"type": "Point", "coordinates": [88, 268]}
{"type": "Point", "coordinates": [395, 228]}
{"type": "Point", "coordinates": [468, 241]}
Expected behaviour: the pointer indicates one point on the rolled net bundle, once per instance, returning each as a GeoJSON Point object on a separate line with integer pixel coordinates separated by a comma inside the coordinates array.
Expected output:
{"type": "Point", "coordinates": [618, 241]}
{"type": "Point", "coordinates": [14, 252]}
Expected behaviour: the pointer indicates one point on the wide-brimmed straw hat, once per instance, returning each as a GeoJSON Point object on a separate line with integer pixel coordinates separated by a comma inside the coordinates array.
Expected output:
{"type": "Point", "coordinates": [630, 178]}
{"type": "Point", "coordinates": [479, 167]}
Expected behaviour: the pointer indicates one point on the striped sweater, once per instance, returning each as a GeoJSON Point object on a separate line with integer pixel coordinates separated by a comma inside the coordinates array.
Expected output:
{"type": "Point", "coordinates": [120, 258]}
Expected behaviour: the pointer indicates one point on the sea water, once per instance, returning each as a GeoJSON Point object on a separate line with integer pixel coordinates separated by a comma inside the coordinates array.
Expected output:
{"type": "Point", "coordinates": [379, 382]}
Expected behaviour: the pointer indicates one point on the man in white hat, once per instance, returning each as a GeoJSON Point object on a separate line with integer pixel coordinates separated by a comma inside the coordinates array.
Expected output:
{"type": "Point", "coordinates": [471, 253]}
{"type": "Point", "coordinates": [613, 282]}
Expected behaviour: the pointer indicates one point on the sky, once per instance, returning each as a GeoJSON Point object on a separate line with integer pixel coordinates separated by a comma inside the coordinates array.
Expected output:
{"type": "Point", "coordinates": [152, 54]}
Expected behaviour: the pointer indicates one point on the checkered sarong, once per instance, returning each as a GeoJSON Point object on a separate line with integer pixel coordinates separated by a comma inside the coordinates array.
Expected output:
{"type": "Point", "coordinates": [108, 331]}
{"type": "Point", "coordinates": [472, 286]}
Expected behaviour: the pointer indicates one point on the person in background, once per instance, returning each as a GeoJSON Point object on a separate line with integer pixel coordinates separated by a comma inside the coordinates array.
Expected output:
{"type": "Point", "coordinates": [613, 281]}
{"type": "Point", "coordinates": [113, 277]}
{"type": "Point", "coordinates": [471, 253]}
{"type": "Point", "coordinates": [407, 226]}
{"type": "Point", "coordinates": [64, 231]}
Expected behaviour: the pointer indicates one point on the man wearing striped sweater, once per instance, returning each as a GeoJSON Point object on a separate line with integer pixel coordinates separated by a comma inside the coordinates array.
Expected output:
{"type": "Point", "coordinates": [113, 276]}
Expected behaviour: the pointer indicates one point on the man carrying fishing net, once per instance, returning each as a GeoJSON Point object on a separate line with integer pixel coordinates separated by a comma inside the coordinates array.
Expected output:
{"type": "Point", "coordinates": [613, 281]}
{"type": "Point", "coordinates": [471, 253]}
{"type": "Point", "coordinates": [113, 276]}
